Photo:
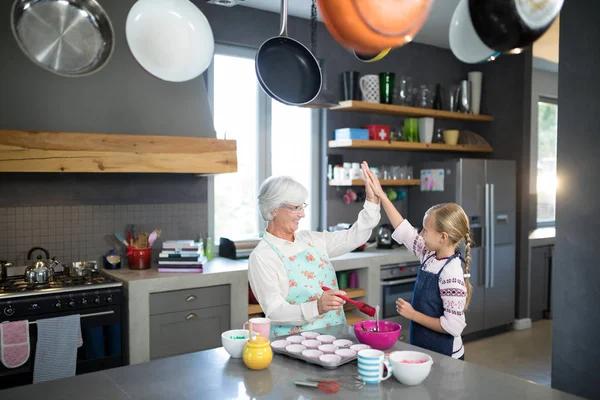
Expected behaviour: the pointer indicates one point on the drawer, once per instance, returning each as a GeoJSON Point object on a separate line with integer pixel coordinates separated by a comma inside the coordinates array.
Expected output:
{"type": "Point", "coordinates": [187, 331]}
{"type": "Point", "coordinates": [189, 299]}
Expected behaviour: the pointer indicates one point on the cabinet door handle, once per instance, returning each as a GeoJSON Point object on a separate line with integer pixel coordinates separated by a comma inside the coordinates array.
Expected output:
{"type": "Point", "coordinates": [191, 298]}
{"type": "Point", "coordinates": [191, 316]}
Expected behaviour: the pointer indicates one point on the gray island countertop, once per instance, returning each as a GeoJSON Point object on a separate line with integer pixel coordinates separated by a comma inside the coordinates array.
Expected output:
{"type": "Point", "coordinates": [212, 374]}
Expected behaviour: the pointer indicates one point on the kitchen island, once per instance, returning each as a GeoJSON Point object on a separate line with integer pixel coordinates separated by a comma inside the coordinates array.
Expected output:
{"type": "Point", "coordinates": [213, 375]}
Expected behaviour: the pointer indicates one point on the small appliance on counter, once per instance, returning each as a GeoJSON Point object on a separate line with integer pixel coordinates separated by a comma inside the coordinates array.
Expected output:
{"type": "Point", "coordinates": [236, 249]}
{"type": "Point", "coordinates": [384, 236]}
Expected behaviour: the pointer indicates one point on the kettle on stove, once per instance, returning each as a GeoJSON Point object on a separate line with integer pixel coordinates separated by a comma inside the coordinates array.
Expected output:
{"type": "Point", "coordinates": [40, 271]}
{"type": "Point", "coordinates": [384, 236]}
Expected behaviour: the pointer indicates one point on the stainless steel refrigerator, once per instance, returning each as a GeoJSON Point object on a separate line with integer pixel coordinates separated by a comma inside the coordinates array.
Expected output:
{"type": "Point", "coordinates": [486, 189]}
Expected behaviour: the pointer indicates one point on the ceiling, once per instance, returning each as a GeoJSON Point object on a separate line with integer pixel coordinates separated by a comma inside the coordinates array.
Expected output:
{"type": "Point", "coordinates": [546, 47]}
{"type": "Point", "coordinates": [434, 32]}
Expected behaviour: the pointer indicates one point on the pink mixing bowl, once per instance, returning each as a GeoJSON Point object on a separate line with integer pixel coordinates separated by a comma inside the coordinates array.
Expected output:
{"type": "Point", "coordinates": [388, 334]}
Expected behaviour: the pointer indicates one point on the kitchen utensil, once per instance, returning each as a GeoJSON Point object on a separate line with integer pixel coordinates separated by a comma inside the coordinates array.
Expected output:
{"type": "Point", "coordinates": [261, 326]}
{"type": "Point", "coordinates": [505, 25]}
{"type": "Point", "coordinates": [139, 258]}
{"type": "Point", "coordinates": [386, 87]}
{"type": "Point", "coordinates": [329, 387]}
{"type": "Point", "coordinates": [464, 104]}
{"type": "Point", "coordinates": [377, 318]}
{"type": "Point", "coordinates": [464, 41]}
{"type": "Point", "coordinates": [257, 353]}
{"type": "Point", "coordinates": [350, 85]}
{"type": "Point", "coordinates": [475, 79]}
{"type": "Point", "coordinates": [170, 39]}
{"type": "Point", "coordinates": [4, 265]}
{"type": "Point", "coordinates": [40, 271]}
{"type": "Point", "coordinates": [362, 307]}
{"type": "Point", "coordinates": [370, 58]}
{"type": "Point", "coordinates": [369, 87]}
{"type": "Point", "coordinates": [350, 382]}
{"type": "Point", "coordinates": [70, 38]}
{"type": "Point", "coordinates": [385, 338]}
{"type": "Point", "coordinates": [384, 236]}
{"type": "Point", "coordinates": [426, 130]}
{"type": "Point", "coordinates": [121, 239]}
{"type": "Point", "coordinates": [451, 136]}
{"type": "Point", "coordinates": [370, 366]}
{"type": "Point", "coordinates": [410, 367]}
{"type": "Point", "coordinates": [153, 236]}
{"type": "Point", "coordinates": [80, 269]}
{"type": "Point", "coordinates": [143, 240]}
{"type": "Point", "coordinates": [234, 341]}
{"type": "Point", "coordinates": [286, 70]}
{"type": "Point", "coordinates": [369, 27]}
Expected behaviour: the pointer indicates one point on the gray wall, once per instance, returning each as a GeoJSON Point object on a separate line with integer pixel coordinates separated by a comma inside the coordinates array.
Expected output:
{"type": "Point", "coordinates": [576, 276]}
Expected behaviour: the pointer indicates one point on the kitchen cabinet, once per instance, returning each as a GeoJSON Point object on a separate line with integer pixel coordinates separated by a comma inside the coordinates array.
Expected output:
{"type": "Point", "coordinates": [185, 321]}
{"type": "Point", "coordinates": [541, 269]}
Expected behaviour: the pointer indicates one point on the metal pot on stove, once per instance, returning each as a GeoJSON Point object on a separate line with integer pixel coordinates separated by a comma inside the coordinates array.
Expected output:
{"type": "Point", "coordinates": [80, 269]}
{"type": "Point", "coordinates": [40, 270]}
{"type": "Point", "coordinates": [4, 265]}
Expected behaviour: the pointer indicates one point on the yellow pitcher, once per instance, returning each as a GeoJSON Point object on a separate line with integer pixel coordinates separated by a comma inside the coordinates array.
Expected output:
{"type": "Point", "coordinates": [257, 353]}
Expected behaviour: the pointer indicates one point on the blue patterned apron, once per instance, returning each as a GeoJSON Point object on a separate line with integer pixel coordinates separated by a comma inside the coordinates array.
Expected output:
{"type": "Point", "coordinates": [307, 271]}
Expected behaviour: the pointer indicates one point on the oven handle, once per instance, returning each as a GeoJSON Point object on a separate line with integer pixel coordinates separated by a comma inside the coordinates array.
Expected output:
{"type": "Point", "coordinates": [87, 315]}
{"type": "Point", "coordinates": [399, 281]}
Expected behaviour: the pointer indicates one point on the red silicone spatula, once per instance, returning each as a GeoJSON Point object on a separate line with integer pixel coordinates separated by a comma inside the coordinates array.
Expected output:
{"type": "Point", "coordinates": [362, 306]}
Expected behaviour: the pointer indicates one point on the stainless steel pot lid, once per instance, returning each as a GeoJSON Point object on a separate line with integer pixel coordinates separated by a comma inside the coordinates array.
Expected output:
{"type": "Point", "coordinates": [68, 37]}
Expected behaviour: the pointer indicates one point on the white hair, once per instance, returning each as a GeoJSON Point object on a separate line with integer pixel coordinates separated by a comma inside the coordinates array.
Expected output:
{"type": "Point", "coordinates": [277, 191]}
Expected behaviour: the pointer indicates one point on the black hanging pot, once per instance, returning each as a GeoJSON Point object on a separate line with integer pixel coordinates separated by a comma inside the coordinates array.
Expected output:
{"type": "Point", "coordinates": [506, 25]}
{"type": "Point", "coordinates": [286, 70]}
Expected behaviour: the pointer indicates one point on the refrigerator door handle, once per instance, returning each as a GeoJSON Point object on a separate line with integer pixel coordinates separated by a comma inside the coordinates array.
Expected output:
{"type": "Point", "coordinates": [492, 235]}
{"type": "Point", "coordinates": [486, 237]}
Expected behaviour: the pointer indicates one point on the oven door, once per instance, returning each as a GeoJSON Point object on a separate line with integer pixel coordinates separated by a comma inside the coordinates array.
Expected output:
{"type": "Point", "coordinates": [391, 290]}
{"type": "Point", "coordinates": [102, 345]}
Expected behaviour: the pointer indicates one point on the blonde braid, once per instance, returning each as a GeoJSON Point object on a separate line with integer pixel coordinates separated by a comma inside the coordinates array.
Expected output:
{"type": "Point", "coordinates": [467, 262]}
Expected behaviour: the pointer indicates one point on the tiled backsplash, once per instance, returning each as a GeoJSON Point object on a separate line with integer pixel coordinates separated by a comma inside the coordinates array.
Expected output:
{"type": "Point", "coordinates": [78, 233]}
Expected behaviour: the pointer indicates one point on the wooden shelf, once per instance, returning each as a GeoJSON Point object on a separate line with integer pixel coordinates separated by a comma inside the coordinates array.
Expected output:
{"type": "Point", "coordinates": [350, 293]}
{"type": "Point", "coordinates": [406, 146]}
{"type": "Point", "coordinates": [32, 151]}
{"type": "Point", "coordinates": [384, 182]}
{"type": "Point", "coordinates": [403, 111]}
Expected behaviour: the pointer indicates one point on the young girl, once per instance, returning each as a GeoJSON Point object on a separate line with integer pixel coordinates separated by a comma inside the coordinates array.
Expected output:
{"type": "Point", "coordinates": [442, 290]}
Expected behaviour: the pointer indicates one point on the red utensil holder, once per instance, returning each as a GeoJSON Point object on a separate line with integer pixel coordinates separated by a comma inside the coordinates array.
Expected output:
{"type": "Point", "coordinates": [140, 258]}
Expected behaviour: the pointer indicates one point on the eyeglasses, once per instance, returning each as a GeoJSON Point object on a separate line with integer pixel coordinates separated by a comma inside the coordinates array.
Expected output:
{"type": "Point", "coordinates": [296, 209]}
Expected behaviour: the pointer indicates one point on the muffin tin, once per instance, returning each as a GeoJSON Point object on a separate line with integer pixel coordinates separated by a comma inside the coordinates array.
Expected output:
{"type": "Point", "coordinates": [314, 355]}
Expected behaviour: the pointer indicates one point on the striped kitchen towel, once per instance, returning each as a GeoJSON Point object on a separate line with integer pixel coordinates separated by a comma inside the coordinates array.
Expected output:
{"type": "Point", "coordinates": [56, 350]}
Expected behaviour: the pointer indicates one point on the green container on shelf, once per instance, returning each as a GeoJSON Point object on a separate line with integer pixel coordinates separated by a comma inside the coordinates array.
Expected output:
{"type": "Point", "coordinates": [411, 129]}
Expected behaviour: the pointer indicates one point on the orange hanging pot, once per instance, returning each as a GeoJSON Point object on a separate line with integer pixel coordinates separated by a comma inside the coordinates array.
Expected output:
{"type": "Point", "coordinates": [370, 26]}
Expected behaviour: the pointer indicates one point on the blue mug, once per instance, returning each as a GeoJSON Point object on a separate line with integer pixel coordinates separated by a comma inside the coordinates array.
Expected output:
{"type": "Point", "coordinates": [370, 366]}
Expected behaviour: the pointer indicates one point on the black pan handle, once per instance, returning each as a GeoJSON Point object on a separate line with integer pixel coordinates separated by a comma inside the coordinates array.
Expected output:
{"type": "Point", "coordinates": [30, 252]}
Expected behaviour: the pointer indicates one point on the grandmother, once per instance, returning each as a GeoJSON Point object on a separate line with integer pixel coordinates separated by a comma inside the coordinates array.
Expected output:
{"type": "Point", "coordinates": [287, 268]}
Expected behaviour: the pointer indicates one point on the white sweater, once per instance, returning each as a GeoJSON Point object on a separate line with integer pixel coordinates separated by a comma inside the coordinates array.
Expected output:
{"type": "Point", "coordinates": [451, 282]}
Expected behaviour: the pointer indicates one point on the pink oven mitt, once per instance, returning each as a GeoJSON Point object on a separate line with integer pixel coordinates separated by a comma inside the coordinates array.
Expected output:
{"type": "Point", "coordinates": [14, 343]}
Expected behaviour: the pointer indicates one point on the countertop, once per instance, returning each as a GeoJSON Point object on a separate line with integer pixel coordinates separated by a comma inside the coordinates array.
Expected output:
{"type": "Point", "coordinates": [542, 237]}
{"type": "Point", "coordinates": [212, 374]}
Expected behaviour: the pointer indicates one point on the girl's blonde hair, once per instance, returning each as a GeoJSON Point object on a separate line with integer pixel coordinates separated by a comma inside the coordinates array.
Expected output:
{"type": "Point", "coordinates": [452, 219]}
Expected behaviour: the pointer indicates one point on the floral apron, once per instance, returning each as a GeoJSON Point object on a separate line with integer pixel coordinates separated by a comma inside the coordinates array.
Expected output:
{"type": "Point", "coordinates": [307, 271]}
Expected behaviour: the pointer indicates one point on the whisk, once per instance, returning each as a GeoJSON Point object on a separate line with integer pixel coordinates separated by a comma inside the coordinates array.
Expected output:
{"type": "Point", "coordinates": [352, 382]}
{"type": "Point", "coordinates": [329, 387]}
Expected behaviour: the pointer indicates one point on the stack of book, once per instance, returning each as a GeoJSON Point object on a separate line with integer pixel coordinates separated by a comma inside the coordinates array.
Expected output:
{"type": "Point", "coordinates": [181, 256]}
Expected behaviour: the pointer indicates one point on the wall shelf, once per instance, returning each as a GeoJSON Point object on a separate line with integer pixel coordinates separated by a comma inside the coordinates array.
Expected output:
{"type": "Point", "coordinates": [32, 151]}
{"type": "Point", "coordinates": [406, 146]}
{"type": "Point", "coordinates": [403, 111]}
{"type": "Point", "coordinates": [384, 182]}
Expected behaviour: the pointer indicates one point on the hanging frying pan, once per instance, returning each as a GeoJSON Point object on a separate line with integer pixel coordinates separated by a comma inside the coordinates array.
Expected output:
{"type": "Point", "coordinates": [286, 70]}
{"type": "Point", "coordinates": [505, 25]}
{"type": "Point", "coordinates": [67, 37]}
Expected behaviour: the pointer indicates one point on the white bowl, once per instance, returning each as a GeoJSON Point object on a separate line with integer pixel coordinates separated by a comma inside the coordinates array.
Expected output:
{"type": "Point", "coordinates": [310, 335]}
{"type": "Point", "coordinates": [295, 348]}
{"type": "Point", "coordinates": [326, 338]}
{"type": "Point", "coordinates": [408, 373]}
{"type": "Point", "coordinates": [328, 348]}
{"type": "Point", "coordinates": [343, 343]}
{"type": "Point", "coordinates": [235, 347]}
{"type": "Point", "coordinates": [330, 359]}
{"type": "Point", "coordinates": [464, 40]}
{"type": "Point", "coordinates": [345, 353]}
{"type": "Point", "coordinates": [280, 344]}
{"type": "Point", "coordinates": [295, 339]}
{"type": "Point", "coordinates": [311, 343]}
{"type": "Point", "coordinates": [312, 353]}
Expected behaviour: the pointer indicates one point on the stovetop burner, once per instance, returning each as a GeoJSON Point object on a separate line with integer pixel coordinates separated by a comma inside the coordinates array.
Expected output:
{"type": "Point", "coordinates": [62, 283]}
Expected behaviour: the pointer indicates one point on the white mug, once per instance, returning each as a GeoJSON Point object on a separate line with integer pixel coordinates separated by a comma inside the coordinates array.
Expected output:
{"type": "Point", "coordinates": [370, 366]}
{"type": "Point", "coordinates": [369, 86]}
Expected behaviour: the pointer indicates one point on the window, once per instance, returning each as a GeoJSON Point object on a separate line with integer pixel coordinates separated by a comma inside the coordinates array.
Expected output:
{"type": "Point", "coordinates": [272, 139]}
{"type": "Point", "coordinates": [547, 181]}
